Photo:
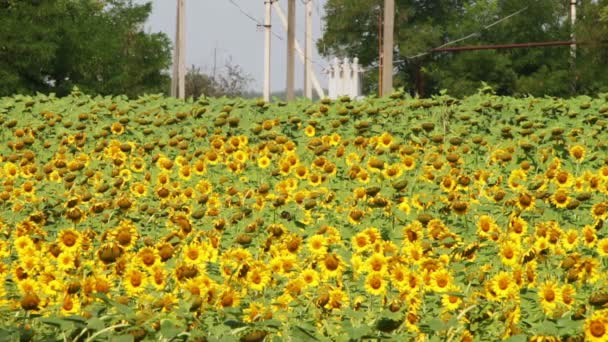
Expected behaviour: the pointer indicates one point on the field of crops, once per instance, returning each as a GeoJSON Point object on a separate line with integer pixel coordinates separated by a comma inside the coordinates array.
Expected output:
{"type": "Point", "coordinates": [218, 219]}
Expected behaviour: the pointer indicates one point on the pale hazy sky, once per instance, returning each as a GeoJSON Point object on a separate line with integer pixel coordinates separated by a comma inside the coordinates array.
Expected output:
{"type": "Point", "coordinates": [218, 25]}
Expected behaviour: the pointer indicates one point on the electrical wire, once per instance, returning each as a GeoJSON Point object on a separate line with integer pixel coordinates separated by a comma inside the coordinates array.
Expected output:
{"type": "Point", "coordinates": [474, 34]}
{"type": "Point", "coordinates": [252, 18]}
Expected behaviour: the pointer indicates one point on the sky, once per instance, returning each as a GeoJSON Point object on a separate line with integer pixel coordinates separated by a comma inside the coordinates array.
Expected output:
{"type": "Point", "coordinates": [217, 30]}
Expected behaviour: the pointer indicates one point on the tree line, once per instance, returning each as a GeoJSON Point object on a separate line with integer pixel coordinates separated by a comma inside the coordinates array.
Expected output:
{"type": "Point", "coordinates": [100, 46]}
{"type": "Point", "coordinates": [352, 29]}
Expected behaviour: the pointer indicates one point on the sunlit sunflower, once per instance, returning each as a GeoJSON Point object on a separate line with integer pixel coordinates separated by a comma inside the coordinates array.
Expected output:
{"type": "Point", "coordinates": [560, 198]}
{"type": "Point", "coordinates": [70, 305]}
{"type": "Point", "coordinates": [451, 302]}
{"type": "Point", "coordinates": [503, 285]}
{"type": "Point", "coordinates": [518, 227]}
{"type": "Point", "coordinates": [69, 240]}
{"type": "Point", "coordinates": [589, 236]}
{"type": "Point", "coordinates": [360, 242]}
{"type": "Point", "coordinates": [317, 245]}
{"type": "Point", "coordinates": [338, 299]}
{"type": "Point", "coordinates": [441, 280]}
{"type": "Point", "coordinates": [563, 179]}
{"type": "Point", "coordinates": [331, 266]}
{"type": "Point", "coordinates": [577, 152]}
{"type": "Point", "coordinates": [375, 284]}
{"type": "Point", "coordinates": [517, 179]}
{"type": "Point", "coordinates": [310, 278]}
{"type": "Point", "coordinates": [257, 278]}
{"type": "Point", "coordinates": [596, 326]}
{"type": "Point", "coordinates": [525, 201]}
{"type": "Point", "coordinates": [509, 253]}
{"type": "Point", "coordinates": [376, 263]}
{"type": "Point", "coordinates": [117, 128]}
{"type": "Point", "coordinates": [569, 239]}
{"type": "Point", "coordinates": [599, 211]}
{"type": "Point", "coordinates": [134, 281]}
{"type": "Point", "coordinates": [309, 131]}
{"type": "Point", "coordinates": [550, 296]}
{"type": "Point", "coordinates": [568, 292]}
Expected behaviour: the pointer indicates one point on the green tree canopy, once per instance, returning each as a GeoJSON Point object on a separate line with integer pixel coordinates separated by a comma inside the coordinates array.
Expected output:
{"type": "Point", "coordinates": [352, 29]}
{"type": "Point", "coordinates": [99, 46]}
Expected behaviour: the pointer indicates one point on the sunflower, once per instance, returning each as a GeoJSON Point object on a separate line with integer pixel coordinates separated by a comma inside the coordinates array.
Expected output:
{"type": "Point", "coordinates": [451, 302]}
{"type": "Point", "coordinates": [602, 247]}
{"type": "Point", "coordinates": [589, 236]}
{"type": "Point", "coordinates": [408, 163]}
{"type": "Point", "coordinates": [503, 285]}
{"type": "Point", "coordinates": [577, 152]}
{"type": "Point", "coordinates": [317, 245]}
{"type": "Point", "coordinates": [148, 257]}
{"type": "Point", "coordinates": [257, 278]}
{"type": "Point", "coordinates": [331, 266]}
{"type": "Point", "coordinates": [315, 179]}
{"type": "Point", "coordinates": [568, 292]}
{"type": "Point", "coordinates": [563, 179]}
{"type": "Point", "coordinates": [385, 140]}
{"type": "Point", "coordinates": [65, 262]}
{"type": "Point", "coordinates": [134, 281]}
{"type": "Point", "coordinates": [69, 240]}
{"type": "Point", "coordinates": [70, 305]}
{"type": "Point", "coordinates": [376, 263]}
{"type": "Point", "coordinates": [525, 201]}
{"type": "Point", "coordinates": [550, 296]}
{"type": "Point", "coordinates": [509, 253]}
{"type": "Point", "coordinates": [360, 242]}
{"type": "Point", "coordinates": [185, 172]}
{"type": "Point", "coordinates": [310, 278]}
{"type": "Point", "coordinates": [560, 198]}
{"type": "Point", "coordinates": [337, 299]}
{"type": "Point", "coordinates": [117, 128]}
{"type": "Point", "coordinates": [256, 311]}
{"type": "Point", "coordinates": [596, 326]}
{"type": "Point", "coordinates": [485, 226]}
{"type": "Point", "coordinates": [375, 284]}
{"type": "Point", "coordinates": [126, 234]}
{"type": "Point", "coordinates": [599, 211]}
{"type": "Point", "coordinates": [516, 179]}
{"type": "Point", "coordinates": [518, 227]}
{"type": "Point", "coordinates": [309, 131]}
{"type": "Point", "coordinates": [441, 280]}
{"type": "Point", "coordinates": [569, 239]}
{"type": "Point", "coordinates": [229, 298]}
{"type": "Point", "coordinates": [301, 172]}
{"type": "Point", "coordinates": [139, 189]}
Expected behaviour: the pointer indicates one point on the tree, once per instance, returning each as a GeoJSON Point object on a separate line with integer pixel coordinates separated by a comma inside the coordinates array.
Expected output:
{"type": "Point", "coordinates": [421, 25]}
{"type": "Point", "coordinates": [231, 82]}
{"type": "Point", "coordinates": [99, 46]}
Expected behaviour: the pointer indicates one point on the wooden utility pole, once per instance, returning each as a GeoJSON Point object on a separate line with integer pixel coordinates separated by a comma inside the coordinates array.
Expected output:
{"type": "Point", "coordinates": [308, 51]}
{"type": "Point", "coordinates": [573, 46]}
{"type": "Point", "coordinates": [267, 27]}
{"type": "Point", "coordinates": [315, 82]}
{"type": "Point", "coordinates": [387, 56]}
{"type": "Point", "coordinates": [291, 40]}
{"type": "Point", "coordinates": [178, 82]}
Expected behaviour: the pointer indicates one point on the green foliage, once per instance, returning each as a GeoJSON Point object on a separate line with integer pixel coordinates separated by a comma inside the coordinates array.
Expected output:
{"type": "Point", "coordinates": [54, 45]}
{"type": "Point", "coordinates": [353, 26]}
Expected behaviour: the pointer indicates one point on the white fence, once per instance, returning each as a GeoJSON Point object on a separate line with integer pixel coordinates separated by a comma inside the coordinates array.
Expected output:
{"type": "Point", "coordinates": [344, 78]}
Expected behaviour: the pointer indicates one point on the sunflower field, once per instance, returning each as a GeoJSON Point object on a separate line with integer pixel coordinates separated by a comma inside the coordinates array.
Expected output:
{"type": "Point", "coordinates": [441, 219]}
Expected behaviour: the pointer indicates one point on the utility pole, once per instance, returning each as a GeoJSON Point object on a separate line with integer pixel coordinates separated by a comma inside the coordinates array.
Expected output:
{"type": "Point", "coordinates": [267, 27]}
{"type": "Point", "coordinates": [291, 39]}
{"type": "Point", "coordinates": [313, 77]}
{"type": "Point", "coordinates": [573, 46]}
{"type": "Point", "coordinates": [308, 51]}
{"type": "Point", "coordinates": [178, 82]}
{"type": "Point", "coordinates": [380, 59]}
{"type": "Point", "coordinates": [389, 26]}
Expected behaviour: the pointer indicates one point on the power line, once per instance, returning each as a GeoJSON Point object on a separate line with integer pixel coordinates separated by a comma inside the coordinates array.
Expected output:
{"type": "Point", "coordinates": [252, 18]}
{"type": "Point", "coordinates": [474, 34]}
